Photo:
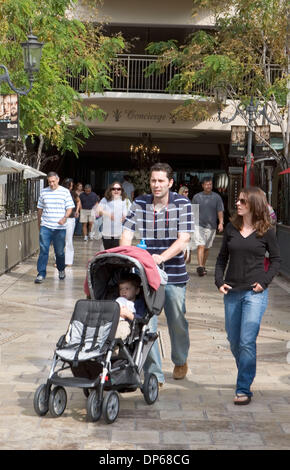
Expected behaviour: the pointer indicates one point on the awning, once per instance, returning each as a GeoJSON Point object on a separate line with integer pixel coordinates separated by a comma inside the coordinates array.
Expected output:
{"type": "Point", "coordinates": [284, 172]}
{"type": "Point", "coordinates": [9, 166]}
{"type": "Point", "coordinates": [30, 172]}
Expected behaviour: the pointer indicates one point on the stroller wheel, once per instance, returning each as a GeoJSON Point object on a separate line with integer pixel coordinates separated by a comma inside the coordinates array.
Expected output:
{"type": "Point", "coordinates": [57, 401]}
{"type": "Point", "coordinates": [93, 410]}
{"type": "Point", "coordinates": [150, 389]}
{"type": "Point", "coordinates": [111, 406]}
{"type": "Point", "coordinates": [39, 402]}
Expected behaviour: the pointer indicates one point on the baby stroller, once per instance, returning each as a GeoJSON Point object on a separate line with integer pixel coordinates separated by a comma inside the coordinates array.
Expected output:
{"type": "Point", "coordinates": [89, 356]}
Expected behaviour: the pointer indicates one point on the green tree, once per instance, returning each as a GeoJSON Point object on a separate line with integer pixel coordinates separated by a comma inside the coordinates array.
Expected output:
{"type": "Point", "coordinates": [53, 113]}
{"type": "Point", "coordinates": [250, 36]}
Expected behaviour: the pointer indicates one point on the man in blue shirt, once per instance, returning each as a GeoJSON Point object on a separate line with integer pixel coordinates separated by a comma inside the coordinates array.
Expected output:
{"type": "Point", "coordinates": [54, 207]}
{"type": "Point", "coordinates": [88, 199]}
{"type": "Point", "coordinates": [164, 220]}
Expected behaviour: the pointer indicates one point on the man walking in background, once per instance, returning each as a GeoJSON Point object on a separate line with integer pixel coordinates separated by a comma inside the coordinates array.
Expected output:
{"type": "Point", "coordinates": [54, 207]}
{"type": "Point", "coordinates": [211, 208]}
{"type": "Point", "coordinates": [128, 187]}
{"type": "Point", "coordinates": [88, 200]}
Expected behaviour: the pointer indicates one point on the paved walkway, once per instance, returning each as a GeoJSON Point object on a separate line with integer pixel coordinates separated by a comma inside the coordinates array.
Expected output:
{"type": "Point", "coordinates": [196, 413]}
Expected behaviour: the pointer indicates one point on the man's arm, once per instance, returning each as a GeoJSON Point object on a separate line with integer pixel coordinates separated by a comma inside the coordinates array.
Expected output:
{"type": "Point", "coordinates": [126, 238]}
{"type": "Point", "coordinates": [39, 215]}
{"type": "Point", "coordinates": [78, 207]}
{"type": "Point", "coordinates": [62, 221]}
{"type": "Point", "coordinates": [176, 247]}
{"type": "Point", "coordinates": [221, 221]}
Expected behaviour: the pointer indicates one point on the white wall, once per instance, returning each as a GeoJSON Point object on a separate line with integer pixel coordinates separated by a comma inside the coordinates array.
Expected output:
{"type": "Point", "coordinates": [147, 12]}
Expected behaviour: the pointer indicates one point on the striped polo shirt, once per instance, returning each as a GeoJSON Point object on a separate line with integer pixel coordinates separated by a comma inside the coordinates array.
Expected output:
{"type": "Point", "coordinates": [160, 229]}
{"type": "Point", "coordinates": [54, 204]}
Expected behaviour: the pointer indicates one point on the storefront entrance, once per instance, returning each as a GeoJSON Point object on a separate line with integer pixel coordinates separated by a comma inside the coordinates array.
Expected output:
{"type": "Point", "coordinates": [107, 158]}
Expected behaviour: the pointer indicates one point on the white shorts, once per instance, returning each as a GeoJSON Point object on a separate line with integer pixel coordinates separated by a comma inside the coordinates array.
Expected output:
{"type": "Point", "coordinates": [204, 236]}
{"type": "Point", "coordinates": [86, 215]}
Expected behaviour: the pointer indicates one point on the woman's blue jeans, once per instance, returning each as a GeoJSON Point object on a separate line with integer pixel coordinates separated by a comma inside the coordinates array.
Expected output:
{"type": "Point", "coordinates": [174, 308]}
{"type": "Point", "coordinates": [57, 238]}
{"type": "Point", "coordinates": [243, 314]}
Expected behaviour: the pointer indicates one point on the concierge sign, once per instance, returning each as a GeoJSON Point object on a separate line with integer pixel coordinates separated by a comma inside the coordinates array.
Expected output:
{"type": "Point", "coordinates": [238, 142]}
{"type": "Point", "coordinates": [9, 116]}
{"type": "Point", "coordinates": [261, 139]}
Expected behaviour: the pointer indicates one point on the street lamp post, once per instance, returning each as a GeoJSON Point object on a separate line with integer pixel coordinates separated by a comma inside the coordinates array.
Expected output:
{"type": "Point", "coordinates": [31, 54]}
{"type": "Point", "coordinates": [250, 110]}
{"type": "Point", "coordinates": [250, 114]}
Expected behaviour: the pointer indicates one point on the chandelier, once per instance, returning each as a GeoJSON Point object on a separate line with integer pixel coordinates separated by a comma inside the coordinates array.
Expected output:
{"type": "Point", "coordinates": [144, 153]}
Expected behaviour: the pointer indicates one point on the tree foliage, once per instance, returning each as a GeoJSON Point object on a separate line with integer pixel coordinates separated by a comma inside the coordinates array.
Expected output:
{"type": "Point", "coordinates": [249, 38]}
{"type": "Point", "coordinates": [70, 47]}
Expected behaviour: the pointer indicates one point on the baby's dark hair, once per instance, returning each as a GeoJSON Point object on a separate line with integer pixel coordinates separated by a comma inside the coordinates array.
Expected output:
{"type": "Point", "coordinates": [132, 278]}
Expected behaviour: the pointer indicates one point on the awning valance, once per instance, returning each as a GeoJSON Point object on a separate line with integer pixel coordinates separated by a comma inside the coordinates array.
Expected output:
{"type": "Point", "coordinates": [9, 166]}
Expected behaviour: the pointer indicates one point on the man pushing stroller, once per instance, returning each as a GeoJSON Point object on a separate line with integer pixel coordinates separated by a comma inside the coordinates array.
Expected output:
{"type": "Point", "coordinates": [164, 220]}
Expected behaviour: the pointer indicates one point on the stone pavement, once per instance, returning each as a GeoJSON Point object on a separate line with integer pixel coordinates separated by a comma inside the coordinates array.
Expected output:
{"type": "Point", "coordinates": [195, 413]}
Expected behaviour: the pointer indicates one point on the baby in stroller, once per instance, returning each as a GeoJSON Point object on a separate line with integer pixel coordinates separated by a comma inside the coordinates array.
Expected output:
{"type": "Point", "coordinates": [130, 305]}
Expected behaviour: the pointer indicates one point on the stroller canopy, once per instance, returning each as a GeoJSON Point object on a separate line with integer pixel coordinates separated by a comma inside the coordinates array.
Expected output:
{"type": "Point", "coordinates": [109, 266]}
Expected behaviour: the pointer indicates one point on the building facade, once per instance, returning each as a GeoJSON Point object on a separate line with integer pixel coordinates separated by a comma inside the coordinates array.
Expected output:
{"type": "Point", "coordinates": [140, 109]}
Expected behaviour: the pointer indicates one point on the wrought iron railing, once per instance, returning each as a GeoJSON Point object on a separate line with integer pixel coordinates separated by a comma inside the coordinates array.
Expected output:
{"type": "Point", "coordinates": [10, 221]}
{"type": "Point", "coordinates": [18, 196]}
{"type": "Point", "coordinates": [129, 73]}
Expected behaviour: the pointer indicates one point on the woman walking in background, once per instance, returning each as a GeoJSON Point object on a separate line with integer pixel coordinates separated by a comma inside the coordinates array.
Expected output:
{"type": "Point", "coordinates": [78, 189]}
{"type": "Point", "coordinates": [113, 207]}
{"type": "Point", "coordinates": [247, 237]}
{"type": "Point", "coordinates": [69, 248]}
{"type": "Point", "coordinates": [183, 191]}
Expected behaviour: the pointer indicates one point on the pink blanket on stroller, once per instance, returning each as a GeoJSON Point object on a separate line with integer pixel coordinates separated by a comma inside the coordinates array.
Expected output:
{"type": "Point", "coordinates": [152, 274]}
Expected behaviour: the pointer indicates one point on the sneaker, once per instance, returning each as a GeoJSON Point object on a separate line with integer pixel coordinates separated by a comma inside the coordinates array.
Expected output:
{"type": "Point", "coordinates": [180, 372]}
{"type": "Point", "coordinates": [91, 235]}
{"type": "Point", "coordinates": [39, 279]}
{"type": "Point", "coordinates": [200, 271]}
{"type": "Point", "coordinates": [61, 275]}
{"type": "Point", "coordinates": [85, 238]}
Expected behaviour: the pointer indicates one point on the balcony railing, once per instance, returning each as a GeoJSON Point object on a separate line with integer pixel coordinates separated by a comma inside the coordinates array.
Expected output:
{"type": "Point", "coordinates": [128, 74]}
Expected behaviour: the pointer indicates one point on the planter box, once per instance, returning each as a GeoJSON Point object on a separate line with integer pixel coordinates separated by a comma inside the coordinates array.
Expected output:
{"type": "Point", "coordinates": [19, 239]}
{"type": "Point", "coordinates": [283, 236]}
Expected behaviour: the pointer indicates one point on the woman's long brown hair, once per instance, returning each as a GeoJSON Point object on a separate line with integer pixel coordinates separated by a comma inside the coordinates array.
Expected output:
{"type": "Point", "coordinates": [259, 210]}
{"type": "Point", "coordinates": [108, 193]}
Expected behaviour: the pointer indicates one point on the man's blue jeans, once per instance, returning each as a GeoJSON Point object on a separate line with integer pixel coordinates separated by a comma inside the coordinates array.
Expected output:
{"type": "Point", "coordinates": [174, 309]}
{"type": "Point", "coordinates": [57, 238]}
{"type": "Point", "coordinates": [243, 314]}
